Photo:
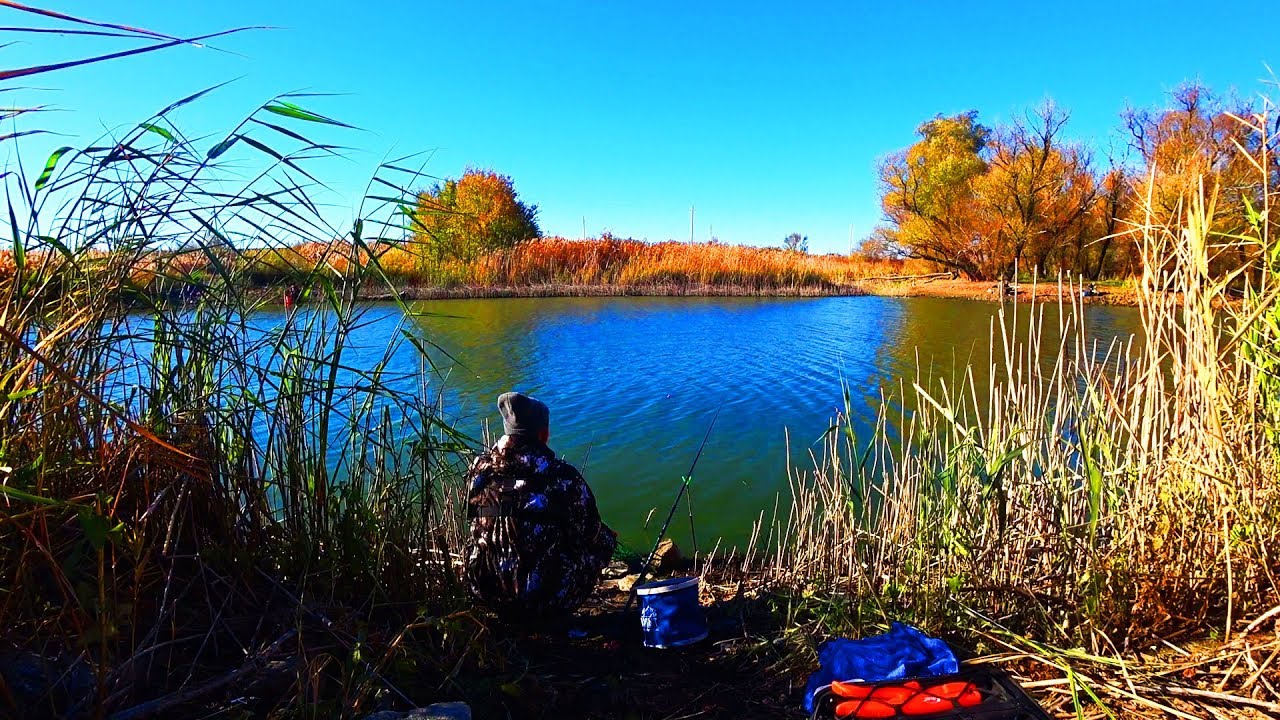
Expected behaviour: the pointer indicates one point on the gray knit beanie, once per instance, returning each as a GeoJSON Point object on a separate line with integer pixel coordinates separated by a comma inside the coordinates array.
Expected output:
{"type": "Point", "coordinates": [522, 415]}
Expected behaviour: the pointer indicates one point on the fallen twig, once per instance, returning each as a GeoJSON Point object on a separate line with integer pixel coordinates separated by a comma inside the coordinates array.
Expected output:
{"type": "Point", "coordinates": [181, 697]}
{"type": "Point", "coordinates": [1257, 623]}
{"type": "Point", "coordinates": [1178, 690]}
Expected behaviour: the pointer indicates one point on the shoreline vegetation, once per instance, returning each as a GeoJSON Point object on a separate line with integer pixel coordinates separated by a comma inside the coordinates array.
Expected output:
{"type": "Point", "coordinates": [204, 517]}
{"type": "Point", "coordinates": [938, 287]}
{"type": "Point", "coordinates": [602, 267]}
{"type": "Point", "coordinates": [826, 277]}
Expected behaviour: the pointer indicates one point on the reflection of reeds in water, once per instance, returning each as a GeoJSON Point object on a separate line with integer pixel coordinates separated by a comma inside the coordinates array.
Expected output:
{"type": "Point", "coordinates": [172, 498]}
{"type": "Point", "coordinates": [1111, 499]}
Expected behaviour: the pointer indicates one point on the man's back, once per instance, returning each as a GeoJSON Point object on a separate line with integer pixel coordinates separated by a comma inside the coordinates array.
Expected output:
{"type": "Point", "coordinates": [537, 542]}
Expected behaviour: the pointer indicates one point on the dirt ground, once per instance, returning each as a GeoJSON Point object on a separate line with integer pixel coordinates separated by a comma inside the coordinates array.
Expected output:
{"type": "Point", "coordinates": [754, 666]}
{"type": "Point", "coordinates": [596, 666]}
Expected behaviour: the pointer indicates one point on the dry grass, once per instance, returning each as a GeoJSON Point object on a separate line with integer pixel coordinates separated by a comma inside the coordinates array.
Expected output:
{"type": "Point", "coordinates": [538, 267]}
{"type": "Point", "coordinates": [630, 263]}
{"type": "Point", "coordinates": [1080, 511]}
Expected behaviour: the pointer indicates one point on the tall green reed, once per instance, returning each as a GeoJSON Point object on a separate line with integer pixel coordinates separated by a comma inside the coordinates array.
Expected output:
{"type": "Point", "coordinates": [187, 472]}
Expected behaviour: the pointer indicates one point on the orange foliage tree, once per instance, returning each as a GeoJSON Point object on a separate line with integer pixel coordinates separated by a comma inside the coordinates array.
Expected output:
{"type": "Point", "coordinates": [931, 196]}
{"type": "Point", "coordinates": [984, 203]}
{"type": "Point", "coordinates": [1037, 192]}
{"type": "Point", "coordinates": [987, 203]}
{"type": "Point", "coordinates": [1199, 146]}
{"type": "Point", "coordinates": [465, 218]}
{"type": "Point", "coordinates": [1108, 245]}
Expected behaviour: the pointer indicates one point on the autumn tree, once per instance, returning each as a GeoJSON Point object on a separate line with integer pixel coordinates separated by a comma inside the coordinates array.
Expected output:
{"type": "Point", "coordinates": [986, 202]}
{"type": "Point", "coordinates": [795, 242]}
{"type": "Point", "coordinates": [989, 202]}
{"type": "Point", "coordinates": [1196, 147]}
{"type": "Point", "coordinates": [478, 213]}
{"type": "Point", "coordinates": [1038, 190]}
{"type": "Point", "coordinates": [1197, 139]}
{"type": "Point", "coordinates": [930, 195]}
{"type": "Point", "coordinates": [1109, 245]}
{"type": "Point", "coordinates": [880, 246]}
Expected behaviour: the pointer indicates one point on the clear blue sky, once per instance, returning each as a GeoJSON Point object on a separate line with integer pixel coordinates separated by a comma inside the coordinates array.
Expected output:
{"type": "Point", "coordinates": [768, 117]}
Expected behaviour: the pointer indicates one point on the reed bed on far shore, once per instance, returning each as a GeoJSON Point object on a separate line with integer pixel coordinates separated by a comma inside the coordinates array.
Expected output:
{"type": "Point", "coordinates": [610, 261]}
{"type": "Point", "coordinates": [536, 268]}
{"type": "Point", "coordinates": [1084, 512]}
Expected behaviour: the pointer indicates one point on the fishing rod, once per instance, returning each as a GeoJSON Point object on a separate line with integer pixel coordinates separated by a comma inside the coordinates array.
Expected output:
{"type": "Point", "coordinates": [684, 486]}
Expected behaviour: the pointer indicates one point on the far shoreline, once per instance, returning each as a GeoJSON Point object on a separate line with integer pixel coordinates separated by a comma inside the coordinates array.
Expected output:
{"type": "Point", "coordinates": [958, 289]}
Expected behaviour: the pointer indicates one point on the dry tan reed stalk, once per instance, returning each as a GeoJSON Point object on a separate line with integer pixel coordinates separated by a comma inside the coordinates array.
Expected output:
{"type": "Point", "coordinates": [1096, 497]}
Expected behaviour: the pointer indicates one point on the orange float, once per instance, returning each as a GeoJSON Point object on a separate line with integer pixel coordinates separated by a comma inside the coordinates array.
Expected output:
{"type": "Point", "coordinates": [909, 698]}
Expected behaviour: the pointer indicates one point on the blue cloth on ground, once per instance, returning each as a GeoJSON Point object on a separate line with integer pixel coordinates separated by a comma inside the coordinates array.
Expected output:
{"type": "Point", "coordinates": [903, 652]}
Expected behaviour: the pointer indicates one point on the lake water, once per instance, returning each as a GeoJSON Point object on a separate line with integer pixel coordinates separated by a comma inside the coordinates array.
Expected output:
{"type": "Point", "coordinates": [632, 384]}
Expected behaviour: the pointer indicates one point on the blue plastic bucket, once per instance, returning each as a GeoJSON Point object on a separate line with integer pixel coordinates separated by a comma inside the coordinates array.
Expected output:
{"type": "Point", "coordinates": [670, 615]}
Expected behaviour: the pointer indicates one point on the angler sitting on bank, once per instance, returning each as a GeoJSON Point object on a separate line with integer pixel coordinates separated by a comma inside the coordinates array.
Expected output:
{"type": "Point", "coordinates": [537, 543]}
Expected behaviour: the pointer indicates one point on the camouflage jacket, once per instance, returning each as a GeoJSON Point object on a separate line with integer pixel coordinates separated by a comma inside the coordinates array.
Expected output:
{"type": "Point", "coordinates": [537, 543]}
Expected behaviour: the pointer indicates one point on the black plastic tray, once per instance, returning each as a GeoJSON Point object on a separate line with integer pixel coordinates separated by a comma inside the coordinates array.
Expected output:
{"type": "Point", "coordinates": [1002, 698]}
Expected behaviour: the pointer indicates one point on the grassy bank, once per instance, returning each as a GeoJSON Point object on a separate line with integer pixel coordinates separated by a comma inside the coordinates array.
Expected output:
{"type": "Point", "coordinates": [558, 267]}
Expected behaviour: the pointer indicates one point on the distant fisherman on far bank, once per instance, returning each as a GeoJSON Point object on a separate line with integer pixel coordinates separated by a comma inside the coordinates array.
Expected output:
{"type": "Point", "coordinates": [537, 543]}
